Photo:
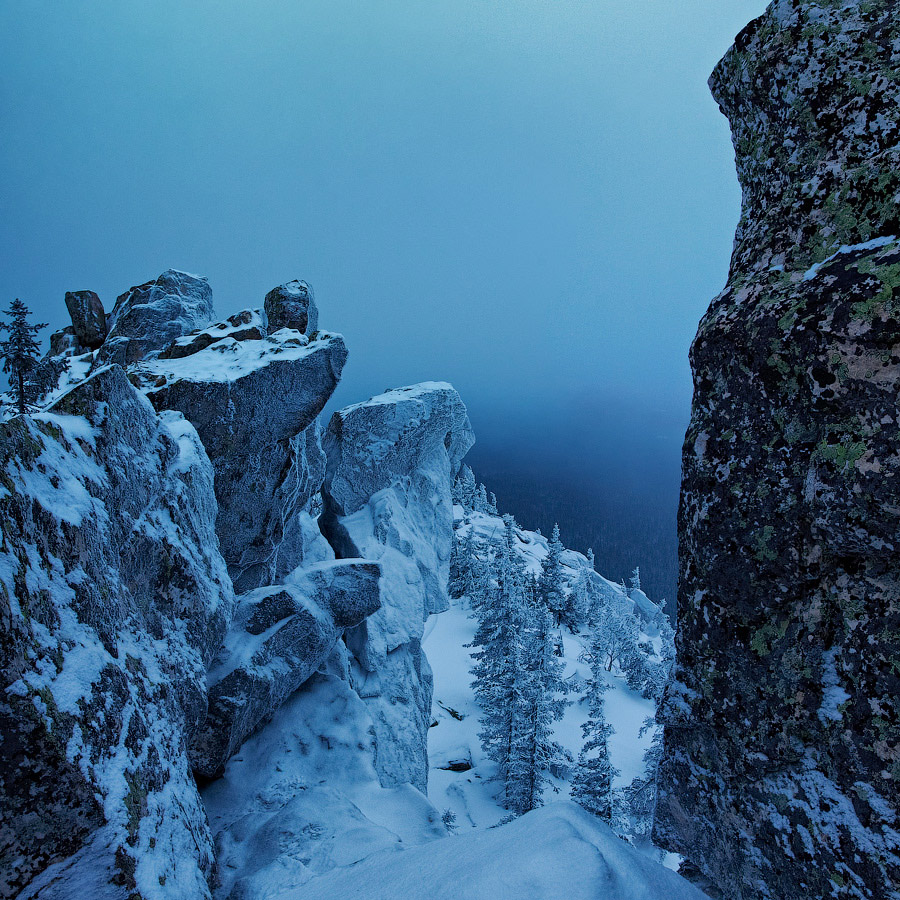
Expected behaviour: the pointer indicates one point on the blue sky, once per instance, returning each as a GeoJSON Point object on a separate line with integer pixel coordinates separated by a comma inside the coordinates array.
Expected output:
{"type": "Point", "coordinates": [533, 200]}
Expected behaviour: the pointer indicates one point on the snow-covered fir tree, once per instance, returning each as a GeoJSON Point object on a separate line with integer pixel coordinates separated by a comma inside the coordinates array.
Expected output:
{"type": "Point", "coordinates": [544, 687]}
{"type": "Point", "coordinates": [594, 771]}
{"type": "Point", "coordinates": [552, 591]}
{"type": "Point", "coordinates": [635, 805]}
{"type": "Point", "coordinates": [518, 680]}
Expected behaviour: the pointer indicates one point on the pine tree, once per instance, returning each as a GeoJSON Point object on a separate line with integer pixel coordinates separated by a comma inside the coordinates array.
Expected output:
{"type": "Point", "coordinates": [544, 704]}
{"type": "Point", "coordinates": [636, 579]}
{"type": "Point", "coordinates": [20, 352]}
{"type": "Point", "coordinates": [594, 773]}
{"type": "Point", "coordinates": [500, 672]}
{"type": "Point", "coordinates": [552, 590]}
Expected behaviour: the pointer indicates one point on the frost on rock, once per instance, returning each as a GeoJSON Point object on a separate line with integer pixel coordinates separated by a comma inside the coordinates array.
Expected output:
{"type": "Point", "coordinates": [151, 315]}
{"type": "Point", "coordinates": [280, 635]}
{"type": "Point", "coordinates": [789, 527]}
{"type": "Point", "coordinates": [254, 403]}
{"type": "Point", "coordinates": [113, 600]}
{"type": "Point", "coordinates": [387, 494]}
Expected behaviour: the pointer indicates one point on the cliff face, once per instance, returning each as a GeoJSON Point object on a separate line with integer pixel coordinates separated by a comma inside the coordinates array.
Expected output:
{"type": "Point", "coordinates": [782, 769]}
{"type": "Point", "coordinates": [132, 509]}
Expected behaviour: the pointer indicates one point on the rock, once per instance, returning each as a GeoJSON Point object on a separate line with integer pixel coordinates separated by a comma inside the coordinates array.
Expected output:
{"type": "Point", "coordinates": [64, 343]}
{"type": "Point", "coordinates": [246, 325]}
{"type": "Point", "coordinates": [152, 315]}
{"type": "Point", "coordinates": [281, 634]}
{"type": "Point", "coordinates": [254, 404]}
{"type": "Point", "coordinates": [113, 601]}
{"type": "Point", "coordinates": [387, 497]}
{"type": "Point", "coordinates": [88, 318]}
{"type": "Point", "coordinates": [292, 305]}
{"type": "Point", "coordinates": [782, 760]}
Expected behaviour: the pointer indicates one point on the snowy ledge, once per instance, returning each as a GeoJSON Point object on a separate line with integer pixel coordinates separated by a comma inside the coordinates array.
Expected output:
{"type": "Point", "coordinates": [228, 360]}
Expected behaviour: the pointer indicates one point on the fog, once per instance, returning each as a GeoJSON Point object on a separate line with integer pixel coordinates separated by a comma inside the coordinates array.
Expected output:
{"type": "Point", "coordinates": [532, 200]}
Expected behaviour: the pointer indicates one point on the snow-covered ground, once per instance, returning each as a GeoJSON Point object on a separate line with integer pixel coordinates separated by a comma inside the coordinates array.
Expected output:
{"type": "Point", "coordinates": [556, 853]}
{"type": "Point", "coordinates": [453, 737]}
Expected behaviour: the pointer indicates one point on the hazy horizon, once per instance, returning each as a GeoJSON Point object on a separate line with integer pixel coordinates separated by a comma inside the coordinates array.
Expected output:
{"type": "Point", "coordinates": [534, 202]}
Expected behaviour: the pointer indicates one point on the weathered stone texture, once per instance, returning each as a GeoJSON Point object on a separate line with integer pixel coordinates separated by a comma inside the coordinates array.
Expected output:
{"type": "Point", "coordinates": [782, 769]}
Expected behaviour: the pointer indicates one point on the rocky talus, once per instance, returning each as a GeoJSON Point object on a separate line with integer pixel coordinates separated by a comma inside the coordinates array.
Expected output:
{"type": "Point", "coordinates": [781, 774]}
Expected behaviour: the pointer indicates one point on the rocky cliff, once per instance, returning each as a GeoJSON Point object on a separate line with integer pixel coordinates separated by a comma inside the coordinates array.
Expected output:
{"type": "Point", "coordinates": [782, 769]}
{"type": "Point", "coordinates": [168, 600]}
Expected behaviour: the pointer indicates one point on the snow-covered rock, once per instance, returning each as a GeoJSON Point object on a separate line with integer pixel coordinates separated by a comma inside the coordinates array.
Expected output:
{"type": "Point", "coordinates": [254, 404]}
{"type": "Point", "coordinates": [113, 601]}
{"type": "Point", "coordinates": [279, 637]}
{"type": "Point", "coordinates": [292, 305]}
{"type": "Point", "coordinates": [303, 797]}
{"type": "Point", "coordinates": [387, 494]}
{"type": "Point", "coordinates": [151, 315]}
{"type": "Point", "coordinates": [88, 318]}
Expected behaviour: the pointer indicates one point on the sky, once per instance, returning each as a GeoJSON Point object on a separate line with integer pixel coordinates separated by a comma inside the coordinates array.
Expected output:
{"type": "Point", "coordinates": [532, 199]}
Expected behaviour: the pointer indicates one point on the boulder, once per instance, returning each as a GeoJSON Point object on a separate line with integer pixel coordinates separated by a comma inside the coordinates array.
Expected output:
{"type": "Point", "coordinates": [150, 316]}
{"type": "Point", "coordinates": [254, 404]}
{"type": "Point", "coordinates": [782, 761]}
{"type": "Point", "coordinates": [292, 305]}
{"type": "Point", "coordinates": [88, 318]}
{"type": "Point", "coordinates": [387, 497]}
{"type": "Point", "coordinates": [280, 636]}
{"type": "Point", "coordinates": [113, 601]}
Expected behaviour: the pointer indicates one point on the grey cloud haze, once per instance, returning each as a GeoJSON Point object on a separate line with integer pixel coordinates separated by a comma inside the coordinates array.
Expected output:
{"type": "Point", "coordinates": [533, 200]}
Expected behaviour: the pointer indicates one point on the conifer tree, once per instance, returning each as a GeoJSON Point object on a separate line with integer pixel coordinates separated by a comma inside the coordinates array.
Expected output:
{"type": "Point", "coordinates": [500, 671]}
{"type": "Point", "coordinates": [20, 352]}
{"type": "Point", "coordinates": [544, 687]}
{"type": "Point", "coordinates": [552, 590]}
{"type": "Point", "coordinates": [636, 579]}
{"type": "Point", "coordinates": [594, 772]}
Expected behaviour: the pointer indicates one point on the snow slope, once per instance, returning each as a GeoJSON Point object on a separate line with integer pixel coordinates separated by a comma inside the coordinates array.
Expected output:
{"type": "Point", "coordinates": [555, 853]}
{"type": "Point", "coordinates": [453, 737]}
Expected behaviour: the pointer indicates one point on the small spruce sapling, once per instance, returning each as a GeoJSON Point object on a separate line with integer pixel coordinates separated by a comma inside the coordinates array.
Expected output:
{"type": "Point", "coordinates": [20, 351]}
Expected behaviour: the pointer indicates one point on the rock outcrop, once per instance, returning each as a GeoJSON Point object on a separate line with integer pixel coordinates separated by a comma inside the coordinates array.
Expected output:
{"type": "Point", "coordinates": [150, 316]}
{"type": "Point", "coordinates": [113, 602]}
{"type": "Point", "coordinates": [387, 496]}
{"type": "Point", "coordinates": [88, 318]}
{"type": "Point", "coordinates": [292, 305]}
{"type": "Point", "coordinates": [781, 775]}
{"type": "Point", "coordinates": [280, 635]}
{"type": "Point", "coordinates": [254, 403]}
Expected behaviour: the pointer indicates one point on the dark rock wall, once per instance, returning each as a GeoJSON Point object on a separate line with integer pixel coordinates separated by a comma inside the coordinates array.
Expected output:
{"type": "Point", "coordinates": [782, 762]}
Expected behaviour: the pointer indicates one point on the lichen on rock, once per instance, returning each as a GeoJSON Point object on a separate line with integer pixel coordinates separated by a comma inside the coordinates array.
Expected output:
{"type": "Point", "coordinates": [781, 771]}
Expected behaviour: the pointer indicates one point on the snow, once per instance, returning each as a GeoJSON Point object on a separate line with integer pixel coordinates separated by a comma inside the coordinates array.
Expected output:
{"type": "Point", "coordinates": [833, 695]}
{"type": "Point", "coordinates": [228, 360]}
{"type": "Point", "coordinates": [469, 795]}
{"type": "Point", "coordinates": [556, 853]}
{"type": "Point", "coordinates": [302, 796]}
{"type": "Point", "coordinates": [874, 244]}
